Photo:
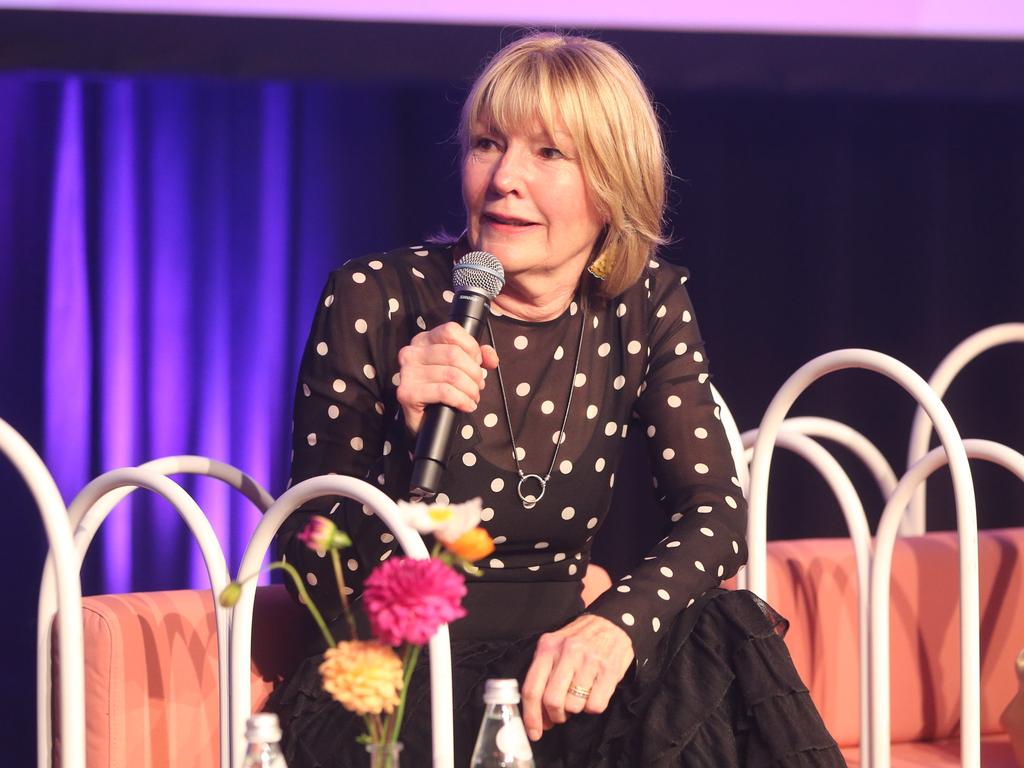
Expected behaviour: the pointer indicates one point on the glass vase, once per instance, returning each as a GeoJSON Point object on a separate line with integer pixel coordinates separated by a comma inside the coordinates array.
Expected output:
{"type": "Point", "coordinates": [384, 755]}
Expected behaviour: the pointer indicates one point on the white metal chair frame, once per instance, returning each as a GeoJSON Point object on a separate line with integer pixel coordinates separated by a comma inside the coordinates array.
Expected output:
{"type": "Point", "coordinates": [768, 434]}
{"type": "Point", "coordinates": [241, 619]}
{"type": "Point", "coordinates": [792, 438]}
{"type": "Point", "coordinates": [914, 522]}
{"type": "Point", "coordinates": [60, 593]}
{"type": "Point", "coordinates": [68, 597]}
{"type": "Point", "coordinates": [796, 435]}
{"type": "Point", "coordinates": [88, 511]}
{"type": "Point", "coordinates": [881, 571]}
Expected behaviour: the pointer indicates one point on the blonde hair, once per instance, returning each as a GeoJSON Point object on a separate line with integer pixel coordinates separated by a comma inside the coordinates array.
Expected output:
{"type": "Point", "coordinates": [608, 112]}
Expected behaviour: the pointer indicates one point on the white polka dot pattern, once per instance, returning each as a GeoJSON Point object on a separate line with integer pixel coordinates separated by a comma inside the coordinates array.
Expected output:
{"type": "Point", "coordinates": [642, 363]}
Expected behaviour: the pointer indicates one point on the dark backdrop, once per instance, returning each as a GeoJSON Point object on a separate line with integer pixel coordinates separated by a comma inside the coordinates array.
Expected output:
{"type": "Point", "coordinates": [828, 193]}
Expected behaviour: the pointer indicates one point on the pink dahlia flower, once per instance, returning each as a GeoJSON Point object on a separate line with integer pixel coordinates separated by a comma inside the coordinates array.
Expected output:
{"type": "Point", "coordinates": [407, 599]}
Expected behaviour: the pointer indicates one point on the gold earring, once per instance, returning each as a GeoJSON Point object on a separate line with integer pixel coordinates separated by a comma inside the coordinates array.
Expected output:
{"type": "Point", "coordinates": [600, 267]}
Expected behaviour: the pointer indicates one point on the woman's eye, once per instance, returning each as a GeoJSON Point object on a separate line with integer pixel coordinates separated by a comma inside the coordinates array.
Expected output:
{"type": "Point", "coordinates": [551, 153]}
{"type": "Point", "coordinates": [484, 143]}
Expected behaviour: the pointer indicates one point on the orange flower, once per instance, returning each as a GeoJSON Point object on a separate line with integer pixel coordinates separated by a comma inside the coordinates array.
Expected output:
{"type": "Point", "coordinates": [473, 545]}
{"type": "Point", "coordinates": [365, 677]}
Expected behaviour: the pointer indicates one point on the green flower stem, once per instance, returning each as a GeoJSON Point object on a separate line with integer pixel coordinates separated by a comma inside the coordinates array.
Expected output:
{"type": "Point", "coordinates": [339, 577]}
{"type": "Point", "coordinates": [412, 655]}
{"type": "Point", "coordinates": [306, 600]}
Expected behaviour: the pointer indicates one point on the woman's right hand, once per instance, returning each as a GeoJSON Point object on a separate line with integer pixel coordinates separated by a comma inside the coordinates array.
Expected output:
{"type": "Point", "coordinates": [442, 365]}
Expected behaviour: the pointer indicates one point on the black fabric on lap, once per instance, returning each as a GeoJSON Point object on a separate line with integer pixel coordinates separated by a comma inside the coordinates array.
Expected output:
{"type": "Point", "coordinates": [719, 691]}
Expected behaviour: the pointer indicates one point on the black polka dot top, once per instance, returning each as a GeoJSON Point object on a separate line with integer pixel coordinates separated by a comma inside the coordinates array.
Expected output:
{"type": "Point", "coordinates": [642, 366]}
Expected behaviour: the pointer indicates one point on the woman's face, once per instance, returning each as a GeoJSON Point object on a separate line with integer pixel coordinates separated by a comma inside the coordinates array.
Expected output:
{"type": "Point", "coordinates": [527, 202]}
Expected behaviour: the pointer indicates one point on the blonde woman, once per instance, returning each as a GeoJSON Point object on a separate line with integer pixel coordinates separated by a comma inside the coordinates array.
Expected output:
{"type": "Point", "coordinates": [563, 178]}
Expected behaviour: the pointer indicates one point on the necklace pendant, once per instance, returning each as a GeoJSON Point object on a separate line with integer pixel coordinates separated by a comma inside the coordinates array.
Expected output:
{"type": "Point", "coordinates": [530, 500]}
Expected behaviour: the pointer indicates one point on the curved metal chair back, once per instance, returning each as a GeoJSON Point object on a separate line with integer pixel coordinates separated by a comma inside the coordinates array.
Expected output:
{"type": "Point", "coordinates": [68, 597]}
{"type": "Point", "coordinates": [881, 570]}
{"type": "Point", "coordinates": [768, 435]}
{"type": "Point", "coordinates": [87, 513]}
{"type": "Point", "coordinates": [914, 522]}
{"type": "Point", "coordinates": [241, 621]}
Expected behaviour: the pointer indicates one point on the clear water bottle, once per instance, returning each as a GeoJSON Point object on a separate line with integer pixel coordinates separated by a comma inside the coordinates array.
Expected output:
{"type": "Point", "coordinates": [502, 741]}
{"type": "Point", "coordinates": [263, 732]}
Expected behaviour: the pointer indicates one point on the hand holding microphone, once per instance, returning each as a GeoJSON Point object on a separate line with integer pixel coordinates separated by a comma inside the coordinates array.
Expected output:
{"type": "Point", "coordinates": [442, 369]}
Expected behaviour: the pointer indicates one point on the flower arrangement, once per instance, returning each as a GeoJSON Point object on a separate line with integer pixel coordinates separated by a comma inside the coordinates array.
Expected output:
{"type": "Point", "coordinates": [405, 599]}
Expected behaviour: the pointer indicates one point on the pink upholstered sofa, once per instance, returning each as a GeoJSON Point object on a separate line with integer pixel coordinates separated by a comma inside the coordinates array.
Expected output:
{"type": "Point", "coordinates": [813, 583]}
{"type": "Point", "coordinates": [151, 671]}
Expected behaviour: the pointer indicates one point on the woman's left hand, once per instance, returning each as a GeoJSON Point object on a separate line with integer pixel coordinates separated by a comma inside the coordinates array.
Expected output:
{"type": "Point", "coordinates": [590, 653]}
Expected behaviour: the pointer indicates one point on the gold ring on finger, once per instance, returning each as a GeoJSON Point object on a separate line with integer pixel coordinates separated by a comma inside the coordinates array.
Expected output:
{"type": "Point", "coordinates": [577, 690]}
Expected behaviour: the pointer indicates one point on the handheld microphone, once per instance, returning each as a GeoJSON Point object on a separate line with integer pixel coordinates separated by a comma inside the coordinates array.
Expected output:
{"type": "Point", "coordinates": [477, 278]}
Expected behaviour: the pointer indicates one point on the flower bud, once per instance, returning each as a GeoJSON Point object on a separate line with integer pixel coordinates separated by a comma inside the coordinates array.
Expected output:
{"type": "Point", "coordinates": [322, 535]}
{"type": "Point", "coordinates": [230, 595]}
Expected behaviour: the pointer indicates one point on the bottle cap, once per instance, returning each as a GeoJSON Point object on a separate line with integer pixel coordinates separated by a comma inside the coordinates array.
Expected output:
{"type": "Point", "coordinates": [502, 692]}
{"type": "Point", "coordinates": [263, 726]}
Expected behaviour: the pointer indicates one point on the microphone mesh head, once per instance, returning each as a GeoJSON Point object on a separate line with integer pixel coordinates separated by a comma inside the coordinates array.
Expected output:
{"type": "Point", "coordinates": [479, 270]}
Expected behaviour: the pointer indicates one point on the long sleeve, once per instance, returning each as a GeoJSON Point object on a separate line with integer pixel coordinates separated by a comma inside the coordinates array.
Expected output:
{"type": "Point", "coordinates": [339, 419]}
{"type": "Point", "coordinates": [695, 477]}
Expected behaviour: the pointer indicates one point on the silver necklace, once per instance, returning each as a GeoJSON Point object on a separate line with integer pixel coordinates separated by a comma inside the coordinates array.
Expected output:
{"type": "Point", "coordinates": [530, 500]}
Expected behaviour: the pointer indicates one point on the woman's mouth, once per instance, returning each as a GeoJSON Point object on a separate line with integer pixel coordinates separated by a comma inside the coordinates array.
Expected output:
{"type": "Point", "coordinates": [507, 221]}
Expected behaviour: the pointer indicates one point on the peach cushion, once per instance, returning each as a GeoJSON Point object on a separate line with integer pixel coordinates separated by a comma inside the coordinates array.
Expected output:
{"type": "Point", "coordinates": [995, 753]}
{"type": "Point", "coordinates": [151, 674]}
{"type": "Point", "coordinates": [813, 583]}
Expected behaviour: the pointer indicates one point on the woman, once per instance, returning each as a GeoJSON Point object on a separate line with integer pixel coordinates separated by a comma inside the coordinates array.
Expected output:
{"type": "Point", "coordinates": [563, 180]}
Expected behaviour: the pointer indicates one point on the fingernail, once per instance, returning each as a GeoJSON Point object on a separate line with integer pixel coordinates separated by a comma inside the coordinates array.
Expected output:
{"type": "Point", "coordinates": [533, 733]}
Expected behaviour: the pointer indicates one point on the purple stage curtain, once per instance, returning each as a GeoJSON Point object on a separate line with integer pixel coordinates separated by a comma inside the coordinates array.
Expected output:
{"type": "Point", "coordinates": [180, 234]}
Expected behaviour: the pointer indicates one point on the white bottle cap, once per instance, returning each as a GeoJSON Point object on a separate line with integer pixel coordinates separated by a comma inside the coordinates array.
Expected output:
{"type": "Point", "coordinates": [263, 726]}
{"type": "Point", "coordinates": [502, 692]}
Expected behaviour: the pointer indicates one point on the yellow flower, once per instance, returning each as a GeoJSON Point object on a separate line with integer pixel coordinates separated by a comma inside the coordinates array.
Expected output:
{"type": "Point", "coordinates": [363, 676]}
{"type": "Point", "coordinates": [473, 545]}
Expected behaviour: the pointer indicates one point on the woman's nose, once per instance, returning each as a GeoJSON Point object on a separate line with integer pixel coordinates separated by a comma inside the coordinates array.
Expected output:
{"type": "Point", "coordinates": [509, 172]}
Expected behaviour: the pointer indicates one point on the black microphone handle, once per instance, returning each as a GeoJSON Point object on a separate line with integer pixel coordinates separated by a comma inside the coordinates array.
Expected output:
{"type": "Point", "coordinates": [435, 436]}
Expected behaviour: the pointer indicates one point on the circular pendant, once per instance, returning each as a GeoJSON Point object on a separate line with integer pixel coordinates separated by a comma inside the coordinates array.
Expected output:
{"type": "Point", "coordinates": [530, 500]}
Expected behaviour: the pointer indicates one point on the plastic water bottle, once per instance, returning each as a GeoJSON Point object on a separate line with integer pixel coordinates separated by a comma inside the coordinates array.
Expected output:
{"type": "Point", "coordinates": [263, 732]}
{"type": "Point", "coordinates": [502, 741]}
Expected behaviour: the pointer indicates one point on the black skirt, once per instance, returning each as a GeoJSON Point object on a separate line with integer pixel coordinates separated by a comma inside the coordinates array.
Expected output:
{"type": "Point", "coordinates": [719, 691]}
